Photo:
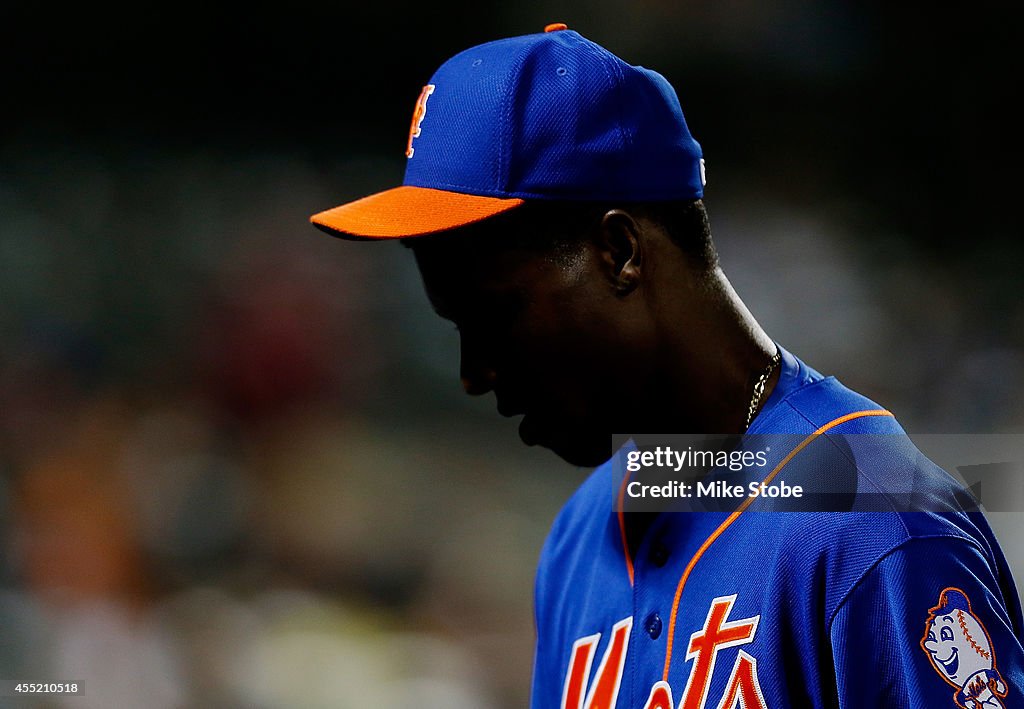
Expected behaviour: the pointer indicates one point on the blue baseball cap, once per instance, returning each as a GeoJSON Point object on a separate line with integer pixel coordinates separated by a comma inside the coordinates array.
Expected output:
{"type": "Point", "coordinates": [547, 116]}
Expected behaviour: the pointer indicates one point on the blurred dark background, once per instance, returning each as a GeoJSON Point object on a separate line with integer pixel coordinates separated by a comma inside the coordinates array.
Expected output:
{"type": "Point", "coordinates": [236, 468]}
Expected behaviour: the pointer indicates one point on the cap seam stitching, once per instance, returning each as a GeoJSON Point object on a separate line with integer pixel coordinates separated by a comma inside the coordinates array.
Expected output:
{"type": "Point", "coordinates": [504, 131]}
{"type": "Point", "coordinates": [609, 67]}
{"type": "Point", "coordinates": [505, 194]}
{"type": "Point", "coordinates": [470, 190]}
{"type": "Point", "coordinates": [627, 139]}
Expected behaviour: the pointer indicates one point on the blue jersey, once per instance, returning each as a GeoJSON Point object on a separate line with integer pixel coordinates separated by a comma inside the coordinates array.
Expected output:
{"type": "Point", "coordinates": [899, 600]}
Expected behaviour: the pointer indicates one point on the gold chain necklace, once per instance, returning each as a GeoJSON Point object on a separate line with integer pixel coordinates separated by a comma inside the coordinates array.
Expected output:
{"type": "Point", "coordinates": [759, 386]}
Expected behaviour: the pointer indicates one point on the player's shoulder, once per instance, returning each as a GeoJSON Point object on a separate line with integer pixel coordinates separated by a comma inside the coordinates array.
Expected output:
{"type": "Point", "coordinates": [871, 490]}
{"type": "Point", "coordinates": [805, 401]}
{"type": "Point", "coordinates": [851, 443]}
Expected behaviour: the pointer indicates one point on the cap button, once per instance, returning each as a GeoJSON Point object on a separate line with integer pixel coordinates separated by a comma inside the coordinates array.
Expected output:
{"type": "Point", "coordinates": [556, 26]}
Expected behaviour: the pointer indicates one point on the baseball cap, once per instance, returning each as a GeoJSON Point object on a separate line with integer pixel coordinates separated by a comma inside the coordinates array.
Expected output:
{"type": "Point", "coordinates": [546, 116]}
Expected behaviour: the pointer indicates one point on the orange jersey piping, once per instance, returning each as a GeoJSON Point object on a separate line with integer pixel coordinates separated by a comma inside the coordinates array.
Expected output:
{"type": "Point", "coordinates": [733, 517]}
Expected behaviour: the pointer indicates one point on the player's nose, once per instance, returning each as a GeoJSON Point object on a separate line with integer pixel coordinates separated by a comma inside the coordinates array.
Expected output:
{"type": "Point", "coordinates": [478, 377]}
{"type": "Point", "coordinates": [477, 381]}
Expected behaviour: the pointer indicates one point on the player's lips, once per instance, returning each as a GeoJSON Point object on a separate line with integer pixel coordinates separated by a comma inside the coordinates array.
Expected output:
{"type": "Point", "coordinates": [951, 664]}
{"type": "Point", "coordinates": [529, 431]}
{"type": "Point", "coordinates": [509, 410]}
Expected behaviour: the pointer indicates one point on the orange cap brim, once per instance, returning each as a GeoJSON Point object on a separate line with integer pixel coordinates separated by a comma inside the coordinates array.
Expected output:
{"type": "Point", "coordinates": [408, 211]}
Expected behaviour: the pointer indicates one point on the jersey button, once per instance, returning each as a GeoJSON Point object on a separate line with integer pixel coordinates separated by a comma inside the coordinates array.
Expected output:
{"type": "Point", "coordinates": [653, 626]}
{"type": "Point", "coordinates": [659, 555]}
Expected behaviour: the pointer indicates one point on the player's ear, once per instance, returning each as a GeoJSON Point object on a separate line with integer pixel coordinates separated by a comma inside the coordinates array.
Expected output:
{"type": "Point", "coordinates": [619, 247]}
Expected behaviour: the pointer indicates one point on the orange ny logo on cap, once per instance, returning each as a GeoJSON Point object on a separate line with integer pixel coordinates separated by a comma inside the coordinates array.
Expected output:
{"type": "Point", "coordinates": [417, 117]}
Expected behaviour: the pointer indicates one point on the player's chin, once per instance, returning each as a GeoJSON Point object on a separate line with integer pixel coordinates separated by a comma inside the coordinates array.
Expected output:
{"type": "Point", "coordinates": [584, 457]}
{"type": "Point", "coordinates": [574, 446]}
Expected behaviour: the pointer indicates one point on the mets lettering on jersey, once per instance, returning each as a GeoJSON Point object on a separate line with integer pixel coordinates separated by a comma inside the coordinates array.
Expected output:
{"type": "Point", "coordinates": [749, 608]}
{"type": "Point", "coordinates": [717, 634]}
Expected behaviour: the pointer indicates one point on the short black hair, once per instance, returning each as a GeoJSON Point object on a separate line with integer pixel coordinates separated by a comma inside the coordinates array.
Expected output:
{"type": "Point", "coordinates": [559, 228]}
{"type": "Point", "coordinates": [689, 227]}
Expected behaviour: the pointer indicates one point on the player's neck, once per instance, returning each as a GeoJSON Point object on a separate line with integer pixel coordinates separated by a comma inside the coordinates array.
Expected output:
{"type": "Point", "coordinates": [713, 360]}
